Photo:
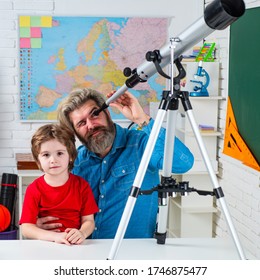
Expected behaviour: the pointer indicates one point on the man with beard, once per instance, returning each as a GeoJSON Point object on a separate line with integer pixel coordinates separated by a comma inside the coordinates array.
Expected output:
{"type": "Point", "coordinates": [110, 156]}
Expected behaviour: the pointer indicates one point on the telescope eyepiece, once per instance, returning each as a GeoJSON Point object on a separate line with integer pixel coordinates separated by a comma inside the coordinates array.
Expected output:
{"type": "Point", "coordinates": [127, 72]}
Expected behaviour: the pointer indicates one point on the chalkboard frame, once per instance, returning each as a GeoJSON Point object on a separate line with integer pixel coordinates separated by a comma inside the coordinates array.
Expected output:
{"type": "Point", "coordinates": [244, 77]}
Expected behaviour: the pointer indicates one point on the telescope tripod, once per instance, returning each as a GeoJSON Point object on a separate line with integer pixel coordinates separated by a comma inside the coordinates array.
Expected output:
{"type": "Point", "coordinates": [168, 187]}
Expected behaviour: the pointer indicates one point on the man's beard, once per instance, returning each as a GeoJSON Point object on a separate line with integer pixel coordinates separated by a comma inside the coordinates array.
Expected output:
{"type": "Point", "coordinates": [100, 142]}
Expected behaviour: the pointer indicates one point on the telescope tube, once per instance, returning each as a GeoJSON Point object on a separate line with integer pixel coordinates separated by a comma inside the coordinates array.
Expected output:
{"type": "Point", "coordinates": [218, 15]}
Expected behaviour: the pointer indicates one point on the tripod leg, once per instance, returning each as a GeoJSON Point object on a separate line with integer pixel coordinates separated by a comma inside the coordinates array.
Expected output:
{"type": "Point", "coordinates": [137, 183]}
{"type": "Point", "coordinates": [218, 191]}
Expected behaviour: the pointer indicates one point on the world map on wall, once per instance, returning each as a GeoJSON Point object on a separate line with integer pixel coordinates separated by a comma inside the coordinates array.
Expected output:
{"type": "Point", "coordinates": [59, 54]}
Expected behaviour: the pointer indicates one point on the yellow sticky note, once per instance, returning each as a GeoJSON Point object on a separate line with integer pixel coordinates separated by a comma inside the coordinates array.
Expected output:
{"type": "Point", "coordinates": [25, 21]}
{"type": "Point", "coordinates": [46, 21]}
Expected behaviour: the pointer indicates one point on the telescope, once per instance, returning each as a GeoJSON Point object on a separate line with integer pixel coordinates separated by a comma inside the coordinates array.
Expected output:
{"type": "Point", "coordinates": [218, 15]}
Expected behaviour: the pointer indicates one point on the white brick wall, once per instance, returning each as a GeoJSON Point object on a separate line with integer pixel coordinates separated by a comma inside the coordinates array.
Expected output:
{"type": "Point", "coordinates": [240, 184]}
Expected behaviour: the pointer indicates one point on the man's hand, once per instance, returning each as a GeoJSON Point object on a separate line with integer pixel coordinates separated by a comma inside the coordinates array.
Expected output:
{"type": "Point", "coordinates": [41, 223]}
{"type": "Point", "coordinates": [130, 107]}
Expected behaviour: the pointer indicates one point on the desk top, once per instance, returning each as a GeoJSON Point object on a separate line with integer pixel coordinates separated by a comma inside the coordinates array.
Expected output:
{"type": "Point", "coordinates": [130, 249]}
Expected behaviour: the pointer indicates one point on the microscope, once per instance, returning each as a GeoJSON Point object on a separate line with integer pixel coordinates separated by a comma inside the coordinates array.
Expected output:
{"type": "Point", "coordinates": [201, 89]}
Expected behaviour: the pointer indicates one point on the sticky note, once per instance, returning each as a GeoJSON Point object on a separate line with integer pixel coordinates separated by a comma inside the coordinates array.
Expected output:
{"type": "Point", "coordinates": [25, 21]}
{"type": "Point", "coordinates": [46, 21]}
{"type": "Point", "coordinates": [36, 21]}
{"type": "Point", "coordinates": [36, 43]}
{"type": "Point", "coordinates": [25, 43]}
{"type": "Point", "coordinates": [24, 32]}
{"type": "Point", "coordinates": [36, 32]}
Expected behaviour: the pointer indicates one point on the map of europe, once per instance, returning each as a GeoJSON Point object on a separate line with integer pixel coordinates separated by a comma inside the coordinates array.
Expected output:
{"type": "Point", "coordinates": [59, 54]}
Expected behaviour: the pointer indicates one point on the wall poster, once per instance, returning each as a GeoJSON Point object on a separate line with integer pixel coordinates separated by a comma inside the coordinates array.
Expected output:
{"type": "Point", "coordinates": [58, 54]}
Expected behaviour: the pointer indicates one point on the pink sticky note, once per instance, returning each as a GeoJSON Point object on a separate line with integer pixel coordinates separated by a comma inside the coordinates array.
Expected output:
{"type": "Point", "coordinates": [36, 32]}
{"type": "Point", "coordinates": [25, 43]}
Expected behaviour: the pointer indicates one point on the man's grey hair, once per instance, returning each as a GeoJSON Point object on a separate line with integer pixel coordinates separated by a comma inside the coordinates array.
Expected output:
{"type": "Point", "coordinates": [75, 100]}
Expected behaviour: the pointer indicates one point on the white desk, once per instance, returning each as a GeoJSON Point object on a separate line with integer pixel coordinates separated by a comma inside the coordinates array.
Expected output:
{"type": "Point", "coordinates": [130, 249]}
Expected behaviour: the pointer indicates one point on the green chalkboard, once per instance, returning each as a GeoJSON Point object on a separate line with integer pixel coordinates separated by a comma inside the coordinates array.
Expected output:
{"type": "Point", "coordinates": [244, 77]}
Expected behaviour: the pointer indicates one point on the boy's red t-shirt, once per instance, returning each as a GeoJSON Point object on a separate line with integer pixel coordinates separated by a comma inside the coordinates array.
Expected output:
{"type": "Point", "coordinates": [68, 202]}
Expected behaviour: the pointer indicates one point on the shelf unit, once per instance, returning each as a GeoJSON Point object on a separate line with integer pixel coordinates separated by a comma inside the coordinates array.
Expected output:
{"type": "Point", "coordinates": [192, 215]}
{"type": "Point", "coordinates": [205, 111]}
{"type": "Point", "coordinates": [25, 177]}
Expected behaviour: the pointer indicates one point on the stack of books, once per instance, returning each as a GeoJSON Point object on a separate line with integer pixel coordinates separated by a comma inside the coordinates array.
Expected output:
{"type": "Point", "coordinates": [192, 57]}
{"type": "Point", "coordinates": [25, 161]}
{"type": "Point", "coordinates": [206, 128]}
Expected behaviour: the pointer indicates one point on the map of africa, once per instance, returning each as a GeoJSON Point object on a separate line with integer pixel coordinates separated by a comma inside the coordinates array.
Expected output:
{"type": "Point", "coordinates": [59, 54]}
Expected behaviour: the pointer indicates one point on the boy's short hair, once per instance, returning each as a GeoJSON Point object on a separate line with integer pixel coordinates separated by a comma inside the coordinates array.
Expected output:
{"type": "Point", "coordinates": [54, 131]}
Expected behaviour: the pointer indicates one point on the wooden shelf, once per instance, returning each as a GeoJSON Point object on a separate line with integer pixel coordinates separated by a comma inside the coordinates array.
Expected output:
{"type": "Point", "coordinates": [203, 98]}
{"type": "Point", "coordinates": [194, 209]}
{"type": "Point", "coordinates": [203, 133]}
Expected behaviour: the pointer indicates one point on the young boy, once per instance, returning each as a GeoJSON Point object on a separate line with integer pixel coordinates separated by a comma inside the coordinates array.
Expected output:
{"type": "Point", "coordinates": [58, 192]}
